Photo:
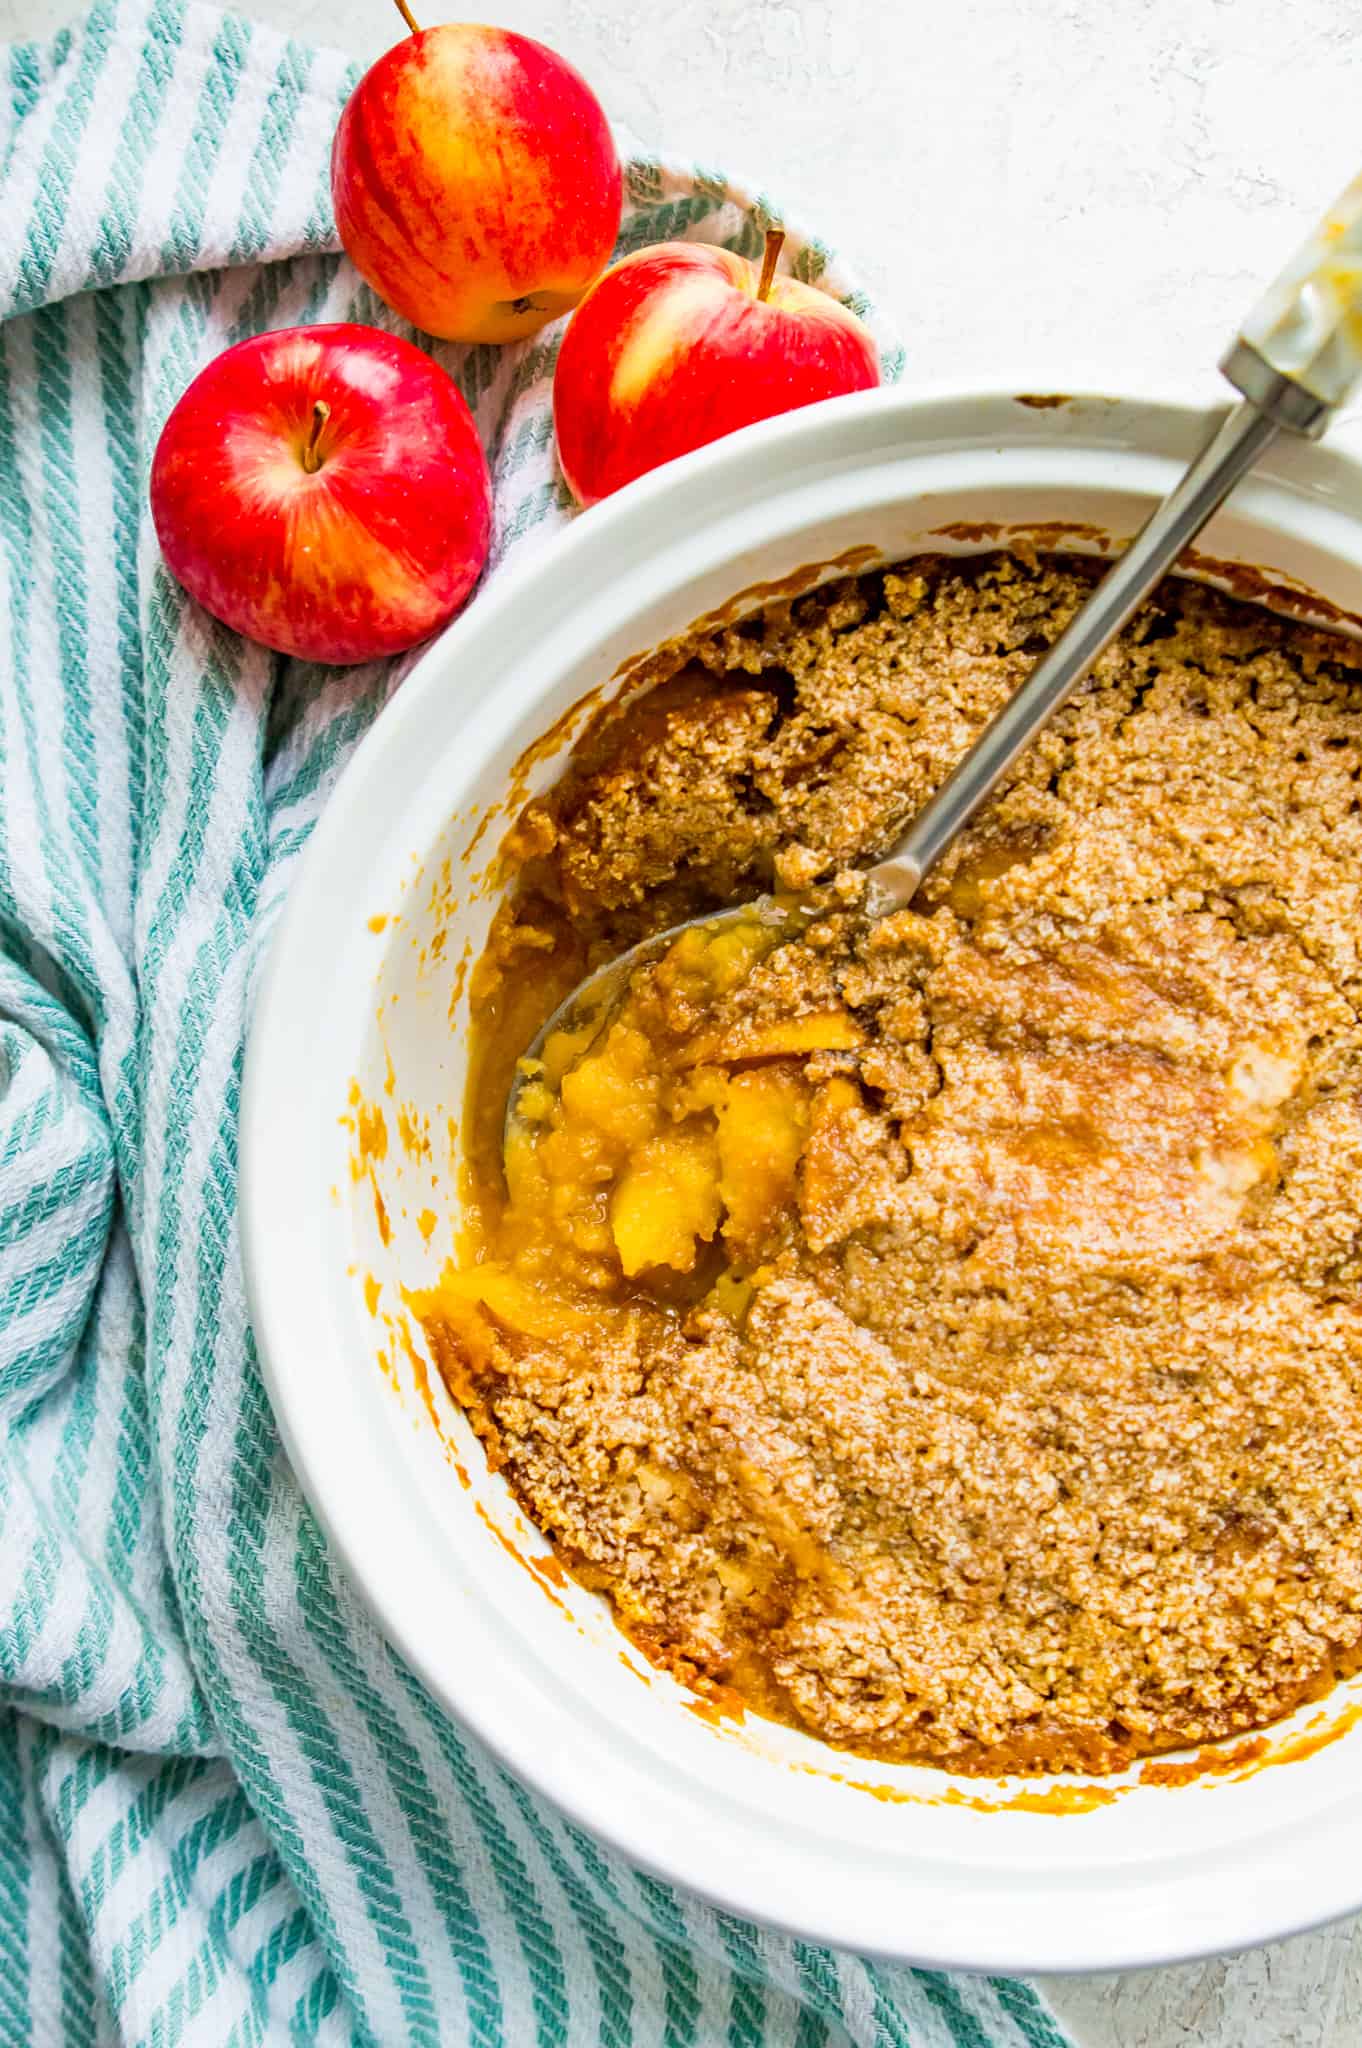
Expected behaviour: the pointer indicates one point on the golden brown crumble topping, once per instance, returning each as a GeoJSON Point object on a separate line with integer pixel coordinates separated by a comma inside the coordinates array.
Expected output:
{"type": "Point", "coordinates": [1012, 1415]}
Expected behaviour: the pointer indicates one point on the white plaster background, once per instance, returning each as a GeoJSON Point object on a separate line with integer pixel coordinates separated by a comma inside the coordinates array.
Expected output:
{"type": "Point", "coordinates": [1051, 193]}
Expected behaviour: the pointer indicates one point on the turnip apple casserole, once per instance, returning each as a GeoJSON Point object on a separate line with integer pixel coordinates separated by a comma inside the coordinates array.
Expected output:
{"type": "Point", "coordinates": [945, 1332]}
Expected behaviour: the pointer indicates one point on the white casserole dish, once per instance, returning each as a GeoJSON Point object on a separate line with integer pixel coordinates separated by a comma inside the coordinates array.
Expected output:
{"type": "Point", "coordinates": [899, 1861]}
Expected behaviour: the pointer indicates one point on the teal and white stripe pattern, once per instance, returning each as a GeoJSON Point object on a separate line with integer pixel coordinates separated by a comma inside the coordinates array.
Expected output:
{"type": "Point", "coordinates": [228, 1813]}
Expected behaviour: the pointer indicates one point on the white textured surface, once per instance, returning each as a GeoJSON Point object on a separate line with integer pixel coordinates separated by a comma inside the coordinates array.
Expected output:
{"type": "Point", "coordinates": [1083, 190]}
{"type": "Point", "coordinates": [1052, 193]}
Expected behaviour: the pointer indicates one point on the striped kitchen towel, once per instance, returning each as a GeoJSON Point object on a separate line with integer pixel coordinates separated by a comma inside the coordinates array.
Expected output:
{"type": "Point", "coordinates": [228, 1813]}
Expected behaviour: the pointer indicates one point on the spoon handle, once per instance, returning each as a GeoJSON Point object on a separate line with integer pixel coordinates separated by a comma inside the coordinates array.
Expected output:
{"type": "Point", "coordinates": [1235, 447]}
{"type": "Point", "coordinates": [1297, 357]}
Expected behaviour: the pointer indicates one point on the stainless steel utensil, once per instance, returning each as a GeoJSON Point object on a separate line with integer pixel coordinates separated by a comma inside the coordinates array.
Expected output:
{"type": "Point", "coordinates": [1297, 357]}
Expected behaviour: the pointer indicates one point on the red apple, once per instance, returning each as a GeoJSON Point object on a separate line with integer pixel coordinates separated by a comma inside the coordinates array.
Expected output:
{"type": "Point", "coordinates": [681, 343]}
{"type": "Point", "coordinates": [476, 182]}
{"type": "Point", "coordinates": [323, 490]}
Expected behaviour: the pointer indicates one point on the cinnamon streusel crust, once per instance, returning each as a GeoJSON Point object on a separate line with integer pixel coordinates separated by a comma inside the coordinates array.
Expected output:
{"type": "Point", "coordinates": [1024, 1430]}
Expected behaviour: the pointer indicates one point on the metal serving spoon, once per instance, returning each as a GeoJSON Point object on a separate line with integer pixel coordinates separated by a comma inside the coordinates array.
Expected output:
{"type": "Point", "coordinates": [1297, 358]}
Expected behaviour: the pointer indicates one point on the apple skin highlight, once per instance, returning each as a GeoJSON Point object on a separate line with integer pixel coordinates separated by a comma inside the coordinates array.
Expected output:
{"type": "Point", "coordinates": [323, 490]}
{"type": "Point", "coordinates": [675, 347]}
{"type": "Point", "coordinates": [476, 182]}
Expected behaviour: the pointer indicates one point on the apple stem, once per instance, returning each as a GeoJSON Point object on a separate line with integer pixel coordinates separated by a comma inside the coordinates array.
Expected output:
{"type": "Point", "coordinates": [408, 16]}
{"type": "Point", "coordinates": [775, 242]}
{"type": "Point", "coordinates": [321, 413]}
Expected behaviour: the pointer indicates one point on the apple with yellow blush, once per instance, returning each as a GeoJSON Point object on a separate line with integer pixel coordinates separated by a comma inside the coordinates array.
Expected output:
{"type": "Point", "coordinates": [323, 490]}
{"type": "Point", "coordinates": [476, 182]}
{"type": "Point", "coordinates": [682, 343]}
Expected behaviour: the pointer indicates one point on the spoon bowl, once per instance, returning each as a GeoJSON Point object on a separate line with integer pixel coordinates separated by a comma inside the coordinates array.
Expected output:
{"type": "Point", "coordinates": [588, 1008]}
